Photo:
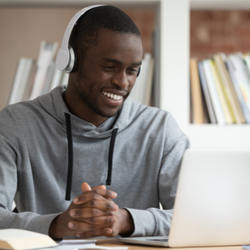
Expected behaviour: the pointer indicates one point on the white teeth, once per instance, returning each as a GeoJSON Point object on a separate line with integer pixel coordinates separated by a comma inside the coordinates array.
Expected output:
{"type": "Point", "coordinates": [112, 96]}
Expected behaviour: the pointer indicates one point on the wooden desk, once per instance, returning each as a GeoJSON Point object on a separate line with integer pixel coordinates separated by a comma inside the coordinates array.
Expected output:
{"type": "Point", "coordinates": [113, 242]}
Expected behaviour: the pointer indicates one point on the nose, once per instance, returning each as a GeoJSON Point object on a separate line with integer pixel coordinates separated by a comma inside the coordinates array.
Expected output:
{"type": "Point", "coordinates": [120, 78]}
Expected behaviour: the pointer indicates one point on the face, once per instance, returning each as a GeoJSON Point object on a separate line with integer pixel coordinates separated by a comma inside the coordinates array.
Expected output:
{"type": "Point", "coordinates": [107, 73]}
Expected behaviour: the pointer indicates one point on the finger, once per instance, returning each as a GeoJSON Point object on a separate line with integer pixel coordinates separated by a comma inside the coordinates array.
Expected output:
{"type": "Point", "coordinates": [96, 194]}
{"type": "Point", "coordinates": [82, 229]}
{"type": "Point", "coordinates": [85, 235]}
{"type": "Point", "coordinates": [104, 218]}
{"type": "Point", "coordinates": [85, 187]}
{"type": "Point", "coordinates": [106, 221]}
{"type": "Point", "coordinates": [81, 214]}
{"type": "Point", "coordinates": [103, 187]}
{"type": "Point", "coordinates": [105, 205]}
{"type": "Point", "coordinates": [92, 235]}
{"type": "Point", "coordinates": [90, 197]}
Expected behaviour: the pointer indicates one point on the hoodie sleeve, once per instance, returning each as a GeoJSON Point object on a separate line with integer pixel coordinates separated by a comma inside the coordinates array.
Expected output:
{"type": "Point", "coordinates": [8, 186]}
{"type": "Point", "coordinates": [155, 221]}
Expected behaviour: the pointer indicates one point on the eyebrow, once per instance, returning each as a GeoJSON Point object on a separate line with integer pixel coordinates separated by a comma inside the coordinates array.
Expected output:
{"type": "Point", "coordinates": [119, 62]}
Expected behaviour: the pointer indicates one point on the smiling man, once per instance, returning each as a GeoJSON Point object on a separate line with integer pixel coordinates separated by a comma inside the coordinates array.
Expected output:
{"type": "Point", "coordinates": [114, 158]}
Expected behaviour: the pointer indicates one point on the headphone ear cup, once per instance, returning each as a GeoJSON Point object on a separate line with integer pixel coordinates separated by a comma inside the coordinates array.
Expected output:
{"type": "Point", "coordinates": [71, 67]}
{"type": "Point", "coordinates": [138, 73]}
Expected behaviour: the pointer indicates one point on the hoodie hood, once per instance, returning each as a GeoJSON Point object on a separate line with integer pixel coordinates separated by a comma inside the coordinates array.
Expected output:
{"type": "Point", "coordinates": [57, 108]}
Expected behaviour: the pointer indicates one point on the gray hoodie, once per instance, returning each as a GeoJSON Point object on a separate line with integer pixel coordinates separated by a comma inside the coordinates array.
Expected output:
{"type": "Point", "coordinates": [35, 154]}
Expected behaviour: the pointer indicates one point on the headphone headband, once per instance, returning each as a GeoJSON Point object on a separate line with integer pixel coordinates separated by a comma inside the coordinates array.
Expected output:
{"type": "Point", "coordinates": [63, 55]}
{"type": "Point", "coordinates": [66, 57]}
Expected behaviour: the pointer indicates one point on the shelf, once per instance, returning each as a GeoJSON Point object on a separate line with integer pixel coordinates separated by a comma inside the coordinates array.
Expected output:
{"type": "Point", "coordinates": [220, 4]}
{"type": "Point", "coordinates": [77, 3]}
{"type": "Point", "coordinates": [174, 59]}
{"type": "Point", "coordinates": [210, 135]}
{"type": "Point", "coordinates": [194, 4]}
{"type": "Point", "coordinates": [216, 136]}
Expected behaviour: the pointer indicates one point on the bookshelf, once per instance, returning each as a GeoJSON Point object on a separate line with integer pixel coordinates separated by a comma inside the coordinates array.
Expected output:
{"type": "Point", "coordinates": [215, 136]}
{"type": "Point", "coordinates": [172, 61]}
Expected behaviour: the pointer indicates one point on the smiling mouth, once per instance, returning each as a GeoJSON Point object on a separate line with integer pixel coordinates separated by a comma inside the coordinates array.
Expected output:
{"type": "Point", "coordinates": [112, 96]}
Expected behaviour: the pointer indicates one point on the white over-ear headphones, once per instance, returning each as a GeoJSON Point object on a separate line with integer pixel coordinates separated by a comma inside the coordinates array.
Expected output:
{"type": "Point", "coordinates": [66, 58]}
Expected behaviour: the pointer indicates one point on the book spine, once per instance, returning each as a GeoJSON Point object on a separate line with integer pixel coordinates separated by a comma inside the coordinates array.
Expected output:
{"type": "Point", "coordinates": [209, 104]}
{"type": "Point", "coordinates": [213, 93]}
{"type": "Point", "coordinates": [222, 98]}
{"type": "Point", "coordinates": [196, 93]}
{"type": "Point", "coordinates": [238, 90]}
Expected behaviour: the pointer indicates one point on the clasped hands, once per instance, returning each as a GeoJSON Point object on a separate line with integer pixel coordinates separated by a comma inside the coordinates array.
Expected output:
{"type": "Point", "coordinates": [92, 214]}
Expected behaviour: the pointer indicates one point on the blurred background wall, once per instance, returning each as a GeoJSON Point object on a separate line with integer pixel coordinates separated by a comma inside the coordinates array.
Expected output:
{"type": "Point", "coordinates": [219, 31]}
{"type": "Point", "coordinates": [23, 29]}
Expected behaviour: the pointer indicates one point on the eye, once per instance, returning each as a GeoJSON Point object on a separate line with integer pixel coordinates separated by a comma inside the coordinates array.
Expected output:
{"type": "Point", "coordinates": [132, 71]}
{"type": "Point", "coordinates": [109, 67]}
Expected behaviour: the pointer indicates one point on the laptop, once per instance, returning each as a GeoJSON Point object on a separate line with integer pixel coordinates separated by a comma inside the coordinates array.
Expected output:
{"type": "Point", "coordinates": [212, 205]}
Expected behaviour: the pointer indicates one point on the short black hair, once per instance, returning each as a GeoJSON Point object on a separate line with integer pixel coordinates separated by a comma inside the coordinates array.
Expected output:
{"type": "Point", "coordinates": [85, 32]}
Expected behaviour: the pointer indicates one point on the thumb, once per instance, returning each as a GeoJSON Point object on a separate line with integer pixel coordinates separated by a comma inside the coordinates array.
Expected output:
{"type": "Point", "coordinates": [103, 187]}
{"type": "Point", "coordinates": [85, 187]}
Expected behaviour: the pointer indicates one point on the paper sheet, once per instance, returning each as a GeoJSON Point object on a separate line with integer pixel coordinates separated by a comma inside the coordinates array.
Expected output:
{"type": "Point", "coordinates": [246, 247]}
{"type": "Point", "coordinates": [69, 244]}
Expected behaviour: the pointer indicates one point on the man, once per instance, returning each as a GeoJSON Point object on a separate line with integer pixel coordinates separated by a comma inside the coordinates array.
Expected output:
{"type": "Point", "coordinates": [110, 139]}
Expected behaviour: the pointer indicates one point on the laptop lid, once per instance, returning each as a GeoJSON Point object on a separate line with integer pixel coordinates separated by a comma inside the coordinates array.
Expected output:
{"type": "Point", "coordinates": [212, 206]}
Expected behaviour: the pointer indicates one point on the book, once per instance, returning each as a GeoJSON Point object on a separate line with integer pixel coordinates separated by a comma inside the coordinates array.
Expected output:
{"type": "Point", "coordinates": [196, 97]}
{"type": "Point", "coordinates": [48, 78]}
{"type": "Point", "coordinates": [46, 55]}
{"type": "Point", "coordinates": [17, 81]}
{"type": "Point", "coordinates": [139, 90]}
{"type": "Point", "coordinates": [231, 97]}
{"type": "Point", "coordinates": [242, 77]}
{"type": "Point", "coordinates": [247, 60]}
{"type": "Point", "coordinates": [222, 97]}
{"type": "Point", "coordinates": [19, 239]}
{"type": "Point", "coordinates": [24, 239]}
{"type": "Point", "coordinates": [56, 78]}
{"type": "Point", "coordinates": [149, 83]}
{"type": "Point", "coordinates": [213, 92]}
{"type": "Point", "coordinates": [30, 81]}
{"type": "Point", "coordinates": [207, 97]}
{"type": "Point", "coordinates": [22, 80]}
{"type": "Point", "coordinates": [238, 91]}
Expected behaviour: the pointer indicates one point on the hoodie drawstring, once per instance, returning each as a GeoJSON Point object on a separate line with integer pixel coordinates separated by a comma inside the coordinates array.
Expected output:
{"type": "Point", "coordinates": [70, 156]}
{"type": "Point", "coordinates": [111, 150]}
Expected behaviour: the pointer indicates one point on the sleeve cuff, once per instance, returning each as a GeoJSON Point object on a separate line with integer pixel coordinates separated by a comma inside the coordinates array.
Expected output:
{"type": "Point", "coordinates": [144, 222]}
{"type": "Point", "coordinates": [40, 223]}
